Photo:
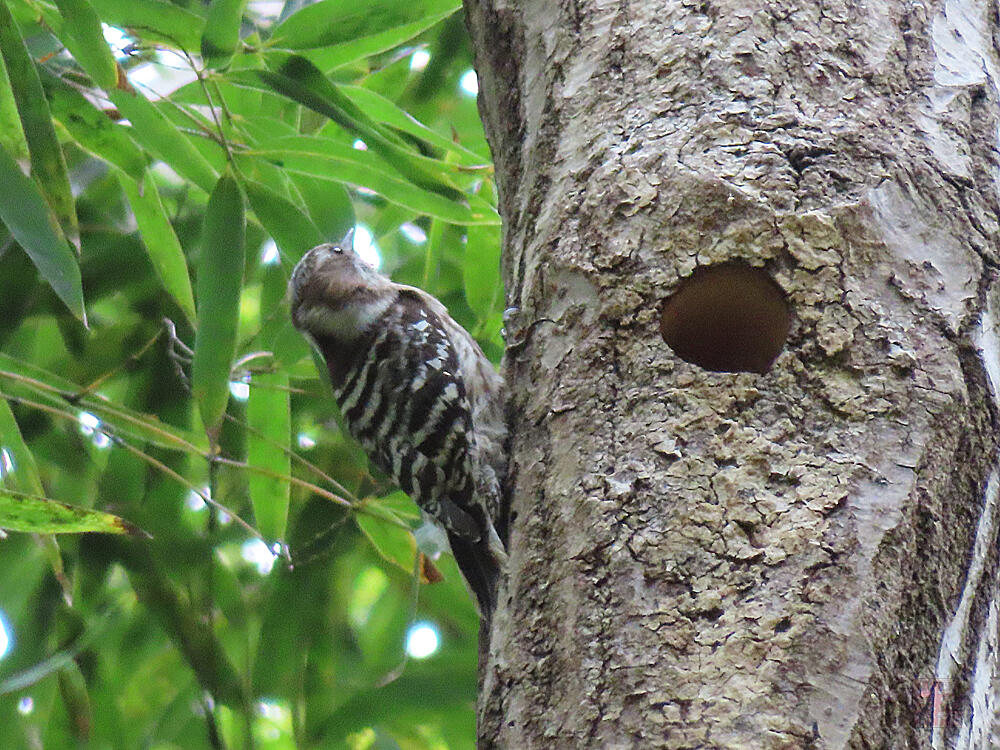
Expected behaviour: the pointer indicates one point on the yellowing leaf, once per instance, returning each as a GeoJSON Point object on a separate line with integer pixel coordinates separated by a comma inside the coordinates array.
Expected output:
{"type": "Point", "coordinates": [40, 515]}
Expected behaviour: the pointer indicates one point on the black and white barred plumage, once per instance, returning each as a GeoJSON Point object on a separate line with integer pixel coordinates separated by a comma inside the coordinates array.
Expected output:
{"type": "Point", "coordinates": [418, 394]}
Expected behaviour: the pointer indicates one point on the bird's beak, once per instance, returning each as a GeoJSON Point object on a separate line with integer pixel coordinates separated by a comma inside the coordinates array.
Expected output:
{"type": "Point", "coordinates": [348, 242]}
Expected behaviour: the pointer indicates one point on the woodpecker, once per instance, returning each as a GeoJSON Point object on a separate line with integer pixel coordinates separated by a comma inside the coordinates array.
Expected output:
{"type": "Point", "coordinates": [417, 393]}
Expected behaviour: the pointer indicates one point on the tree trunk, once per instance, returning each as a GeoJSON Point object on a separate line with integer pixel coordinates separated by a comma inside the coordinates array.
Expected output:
{"type": "Point", "coordinates": [801, 558]}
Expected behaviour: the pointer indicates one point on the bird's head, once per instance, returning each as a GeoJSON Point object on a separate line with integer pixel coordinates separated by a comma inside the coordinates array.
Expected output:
{"type": "Point", "coordinates": [335, 294]}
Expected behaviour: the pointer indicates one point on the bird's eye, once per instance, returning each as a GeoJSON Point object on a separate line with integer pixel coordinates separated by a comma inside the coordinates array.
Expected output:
{"type": "Point", "coordinates": [338, 250]}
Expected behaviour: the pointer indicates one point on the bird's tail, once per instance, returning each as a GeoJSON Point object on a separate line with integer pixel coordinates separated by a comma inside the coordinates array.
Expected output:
{"type": "Point", "coordinates": [481, 563]}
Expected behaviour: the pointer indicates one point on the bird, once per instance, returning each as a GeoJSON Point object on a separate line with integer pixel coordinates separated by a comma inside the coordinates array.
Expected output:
{"type": "Point", "coordinates": [418, 394]}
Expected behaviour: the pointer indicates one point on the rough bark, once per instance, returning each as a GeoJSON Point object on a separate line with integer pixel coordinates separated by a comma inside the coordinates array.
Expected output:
{"type": "Point", "coordinates": [804, 558]}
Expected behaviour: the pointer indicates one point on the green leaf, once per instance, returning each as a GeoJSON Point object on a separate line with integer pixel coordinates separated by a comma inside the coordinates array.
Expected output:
{"type": "Point", "coordinates": [220, 279]}
{"type": "Point", "coordinates": [186, 613]}
{"type": "Point", "coordinates": [336, 56]}
{"type": "Point", "coordinates": [24, 472]}
{"type": "Point", "coordinates": [27, 216]}
{"type": "Point", "coordinates": [76, 700]}
{"type": "Point", "coordinates": [45, 379]}
{"type": "Point", "coordinates": [11, 134]}
{"type": "Point", "coordinates": [300, 80]}
{"type": "Point", "coordinates": [164, 22]}
{"type": "Point", "coordinates": [47, 162]}
{"type": "Point", "coordinates": [37, 672]}
{"type": "Point", "coordinates": [84, 37]}
{"type": "Point", "coordinates": [321, 158]}
{"type": "Point", "coordinates": [481, 271]}
{"type": "Point", "coordinates": [400, 507]}
{"type": "Point", "coordinates": [20, 378]}
{"type": "Point", "coordinates": [395, 544]}
{"type": "Point", "coordinates": [159, 135]}
{"type": "Point", "coordinates": [421, 690]}
{"type": "Point", "coordinates": [270, 433]}
{"type": "Point", "coordinates": [161, 243]}
{"type": "Point", "coordinates": [40, 515]}
{"type": "Point", "coordinates": [434, 174]}
{"type": "Point", "coordinates": [222, 32]}
{"type": "Point", "coordinates": [183, 620]}
{"type": "Point", "coordinates": [432, 254]}
{"type": "Point", "coordinates": [290, 348]}
{"type": "Point", "coordinates": [387, 112]}
{"type": "Point", "coordinates": [328, 205]}
{"type": "Point", "coordinates": [290, 227]}
{"type": "Point", "coordinates": [92, 129]}
{"type": "Point", "coordinates": [330, 22]}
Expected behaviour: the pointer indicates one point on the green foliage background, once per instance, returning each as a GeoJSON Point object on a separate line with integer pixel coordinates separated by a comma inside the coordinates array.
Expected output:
{"type": "Point", "coordinates": [139, 190]}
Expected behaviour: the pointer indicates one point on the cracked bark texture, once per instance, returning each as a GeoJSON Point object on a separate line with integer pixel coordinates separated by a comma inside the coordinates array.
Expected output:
{"type": "Point", "coordinates": [806, 558]}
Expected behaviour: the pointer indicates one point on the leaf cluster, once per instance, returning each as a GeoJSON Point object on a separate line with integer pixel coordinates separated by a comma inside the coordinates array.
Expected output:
{"type": "Point", "coordinates": [196, 555]}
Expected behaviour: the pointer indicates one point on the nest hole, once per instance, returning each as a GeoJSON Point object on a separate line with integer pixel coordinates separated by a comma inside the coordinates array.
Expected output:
{"type": "Point", "coordinates": [727, 318]}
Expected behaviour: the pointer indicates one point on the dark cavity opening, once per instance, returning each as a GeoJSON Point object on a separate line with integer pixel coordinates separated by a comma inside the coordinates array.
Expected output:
{"type": "Point", "coordinates": [727, 318]}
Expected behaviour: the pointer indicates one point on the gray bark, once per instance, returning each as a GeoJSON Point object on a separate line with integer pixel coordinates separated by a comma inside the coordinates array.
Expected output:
{"type": "Point", "coordinates": [802, 558]}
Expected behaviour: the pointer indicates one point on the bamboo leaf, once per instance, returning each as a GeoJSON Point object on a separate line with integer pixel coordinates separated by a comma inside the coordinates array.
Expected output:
{"type": "Point", "coordinates": [13, 368]}
{"type": "Point", "coordinates": [11, 134]}
{"type": "Point", "coordinates": [331, 21]}
{"type": "Point", "coordinates": [421, 689]}
{"type": "Point", "coordinates": [192, 635]}
{"type": "Point", "coordinates": [300, 80]}
{"type": "Point", "coordinates": [328, 205]}
{"type": "Point", "coordinates": [291, 228]}
{"type": "Point", "coordinates": [40, 515]}
{"type": "Point", "coordinates": [270, 433]}
{"type": "Point", "coordinates": [28, 217]}
{"type": "Point", "coordinates": [480, 271]}
{"type": "Point", "coordinates": [76, 700]}
{"type": "Point", "coordinates": [47, 162]}
{"type": "Point", "coordinates": [92, 129]}
{"type": "Point", "coordinates": [21, 470]}
{"type": "Point", "coordinates": [222, 32]}
{"type": "Point", "coordinates": [397, 545]}
{"type": "Point", "coordinates": [347, 168]}
{"type": "Point", "coordinates": [34, 674]}
{"type": "Point", "coordinates": [154, 19]}
{"type": "Point", "coordinates": [20, 377]}
{"type": "Point", "coordinates": [84, 37]}
{"type": "Point", "coordinates": [161, 243]}
{"type": "Point", "coordinates": [155, 131]}
{"type": "Point", "coordinates": [334, 56]}
{"type": "Point", "coordinates": [220, 279]}
{"type": "Point", "coordinates": [388, 113]}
